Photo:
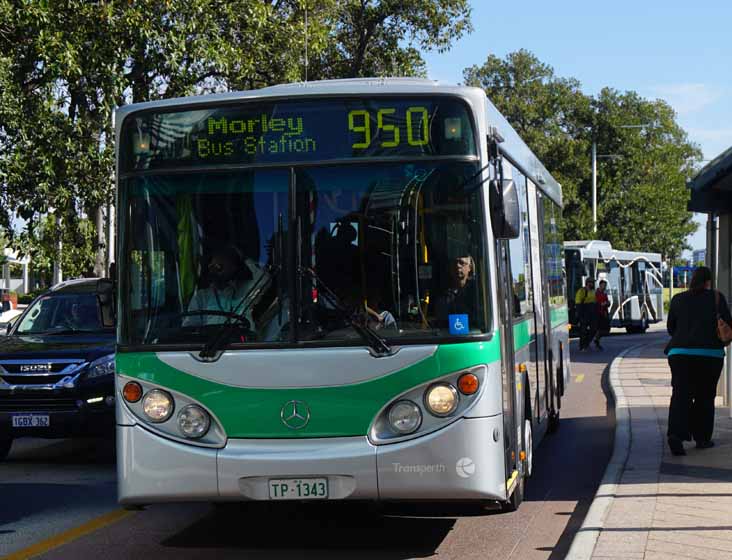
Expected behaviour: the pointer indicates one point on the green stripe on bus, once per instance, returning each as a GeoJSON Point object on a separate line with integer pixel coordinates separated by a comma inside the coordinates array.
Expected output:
{"type": "Point", "coordinates": [521, 334]}
{"type": "Point", "coordinates": [558, 315]}
{"type": "Point", "coordinates": [335, 411]}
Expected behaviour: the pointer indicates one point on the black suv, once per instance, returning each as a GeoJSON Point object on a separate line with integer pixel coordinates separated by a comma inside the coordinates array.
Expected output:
{"type": "Point", "coordinates": [57, 365]}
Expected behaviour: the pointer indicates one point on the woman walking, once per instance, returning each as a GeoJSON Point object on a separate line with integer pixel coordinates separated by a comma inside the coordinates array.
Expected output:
{"type": "Point", "coordinates": [695, 354]}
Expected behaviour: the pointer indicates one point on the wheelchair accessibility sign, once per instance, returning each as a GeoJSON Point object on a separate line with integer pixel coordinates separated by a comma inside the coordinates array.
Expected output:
{"type": "Point", "coordinates": [458, 324]}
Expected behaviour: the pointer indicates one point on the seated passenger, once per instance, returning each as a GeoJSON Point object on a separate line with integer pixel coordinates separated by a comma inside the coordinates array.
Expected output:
{"type": "Point", "coordinates": [229, 280]}
{"type": "Point", "coordinates": [83, 317]}
{"type": "Point", "coordinates": [379, 318]}
{"type": "Point", "coordinates": [459, 298]}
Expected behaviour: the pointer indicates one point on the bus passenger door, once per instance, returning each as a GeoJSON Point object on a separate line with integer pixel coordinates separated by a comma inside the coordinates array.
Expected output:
{"type": "Point", "coordinates": [654, 285]}
{"type": "Point", "coordinates": [538, 346]}
{"type": "Point", "coordinates": [552, 354]}
{"type": "Point", "coordinates": [511, 422]}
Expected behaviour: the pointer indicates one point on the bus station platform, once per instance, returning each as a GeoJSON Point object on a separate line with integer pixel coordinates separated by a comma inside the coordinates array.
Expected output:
{"type": "Point", "coordinates": [651, 504]}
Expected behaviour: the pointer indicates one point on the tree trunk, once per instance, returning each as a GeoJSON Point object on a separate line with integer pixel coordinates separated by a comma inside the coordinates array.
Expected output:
{"type": "Point", "coordinates": [100, 258]}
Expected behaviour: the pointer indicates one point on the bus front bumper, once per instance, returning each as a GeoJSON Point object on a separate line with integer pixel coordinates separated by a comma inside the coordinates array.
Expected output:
{"type": "Point", "coordinates": [460, 462]}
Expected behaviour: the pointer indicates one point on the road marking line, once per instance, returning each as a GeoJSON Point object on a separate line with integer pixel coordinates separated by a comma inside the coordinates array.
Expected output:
{"type": "Point", "coordinates": [579, 378]}
{"type": "Point", "coordinates": [68, 536]}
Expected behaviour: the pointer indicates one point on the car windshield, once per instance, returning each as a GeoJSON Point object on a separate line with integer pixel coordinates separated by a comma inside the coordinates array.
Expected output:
{"type": "Point", "coordinates": [400, 245]}
{"type": "Point", "coordinates": [62, 313]}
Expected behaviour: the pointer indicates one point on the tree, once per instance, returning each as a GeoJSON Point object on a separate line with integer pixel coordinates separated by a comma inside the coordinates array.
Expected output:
{"type": "Point", "coordinates": [64, 67]}
{"type": "Point", "coordinates": [384, 37]}
{"type": "Point", "coordinates": [642, 193]}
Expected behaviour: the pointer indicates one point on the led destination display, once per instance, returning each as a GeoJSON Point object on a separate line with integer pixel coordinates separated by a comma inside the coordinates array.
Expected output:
{"type": "Point", "coordinates": [319, 130]}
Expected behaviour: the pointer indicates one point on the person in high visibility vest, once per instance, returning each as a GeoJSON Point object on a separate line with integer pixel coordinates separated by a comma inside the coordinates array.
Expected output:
{"type": "Point", "coordinates": [585, 304]}
{"type": "Point", "coordinates": [602, 306]}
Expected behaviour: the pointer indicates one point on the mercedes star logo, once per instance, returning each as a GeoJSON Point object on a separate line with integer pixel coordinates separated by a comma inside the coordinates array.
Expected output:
{"type": "Point", "coordinates": [295, 414]}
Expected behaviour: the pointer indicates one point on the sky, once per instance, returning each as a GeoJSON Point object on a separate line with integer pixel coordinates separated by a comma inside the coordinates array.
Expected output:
{"type": "Point", "coordinates": [677, 51]}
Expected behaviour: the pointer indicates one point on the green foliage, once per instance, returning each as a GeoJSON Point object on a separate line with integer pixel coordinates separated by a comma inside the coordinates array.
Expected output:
{"type": "Point", "coordinates": [642, 194]}
{"type": "Point", "coordinates": [384, 37]}
{"type": "Point", "coordinates": [65, 66]}
{"type": "Point", "coordinates": [77, 254]}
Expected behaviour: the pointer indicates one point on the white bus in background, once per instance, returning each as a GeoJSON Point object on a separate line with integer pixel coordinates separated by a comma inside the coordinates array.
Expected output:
{"type": "Point", "coordinates": [635, 282]}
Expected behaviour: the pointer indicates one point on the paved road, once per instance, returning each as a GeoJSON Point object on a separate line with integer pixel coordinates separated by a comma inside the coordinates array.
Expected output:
{"type": "Point", "coordinates": [47, 489]}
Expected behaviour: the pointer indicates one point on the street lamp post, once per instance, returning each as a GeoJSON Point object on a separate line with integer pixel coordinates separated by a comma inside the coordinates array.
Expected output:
{"type": "Point", "coordinates": [594, 186]}
{"type": "Point", "coordinates": [57, 275]}
{"type": "Point", "coordinates": [594, 181]}
{"type": "Point", "coordinates": [594, 170]}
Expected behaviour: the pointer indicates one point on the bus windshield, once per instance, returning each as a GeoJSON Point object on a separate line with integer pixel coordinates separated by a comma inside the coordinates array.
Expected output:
{"type": "Point", "coordinates": [295, 254]}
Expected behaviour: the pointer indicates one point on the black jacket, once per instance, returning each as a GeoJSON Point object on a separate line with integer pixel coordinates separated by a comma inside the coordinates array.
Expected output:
{"type": "Point", "coordinates": [692, 320]}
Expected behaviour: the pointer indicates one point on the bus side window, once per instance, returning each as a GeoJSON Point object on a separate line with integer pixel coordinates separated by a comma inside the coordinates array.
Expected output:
{"type": "Point", "coordinates": [519, 249]}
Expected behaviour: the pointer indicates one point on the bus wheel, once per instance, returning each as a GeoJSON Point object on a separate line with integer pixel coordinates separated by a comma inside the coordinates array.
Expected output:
{"type": "Point", "coordinates": [528, 448]}
{"type": "Point", "coordinates": [5, 445]}
{"type": "Point", "coordinates": [553, 425]}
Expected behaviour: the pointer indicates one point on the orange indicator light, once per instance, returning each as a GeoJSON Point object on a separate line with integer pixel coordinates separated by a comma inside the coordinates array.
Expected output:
{"type": "Point", "coordinates": [468, 384]}
{"type": "Point", "coordinates": [132, 392]}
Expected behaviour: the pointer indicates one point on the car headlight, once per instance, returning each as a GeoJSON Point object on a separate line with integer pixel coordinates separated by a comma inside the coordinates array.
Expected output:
{"type": "Point", "coordinates": [193, 421]}
{"type": "Point", "coordinates": [441, 399]}
{"type": "Point", "coordinates": [405, 417]}
{"type": "Point", "coordinates": [102, 366]}
{"type": "Point", "coordinates": [157, 405]}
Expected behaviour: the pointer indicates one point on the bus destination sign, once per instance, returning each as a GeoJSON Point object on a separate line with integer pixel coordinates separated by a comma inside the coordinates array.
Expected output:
{"type": "Point", "coordinates": [250, 133]}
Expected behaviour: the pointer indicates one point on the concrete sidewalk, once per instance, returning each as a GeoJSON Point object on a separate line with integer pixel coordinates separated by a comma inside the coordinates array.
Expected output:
{"type": "Point", "coordinates": [650, 504]}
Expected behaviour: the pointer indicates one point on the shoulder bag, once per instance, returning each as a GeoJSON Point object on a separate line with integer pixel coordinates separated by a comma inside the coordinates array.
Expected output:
{"type": "Point", "coordinates": [724, 331]}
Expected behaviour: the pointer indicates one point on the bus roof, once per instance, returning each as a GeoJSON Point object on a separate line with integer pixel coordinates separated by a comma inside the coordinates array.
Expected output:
{"type": "Point", "coordinates": [598, 249]}
{"type": "Point", "coordinates": [511, 146]}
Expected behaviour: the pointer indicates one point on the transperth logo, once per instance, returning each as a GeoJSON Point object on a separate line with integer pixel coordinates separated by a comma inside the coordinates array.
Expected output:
{"type": "Point", "coordinates": [465, 467]}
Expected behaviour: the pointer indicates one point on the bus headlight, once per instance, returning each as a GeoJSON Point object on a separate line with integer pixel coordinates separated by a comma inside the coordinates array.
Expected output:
{"type": "Point", "coordinates": [405, 417]}
{"type": "Point", "coordinates": [441, 399]}
{"type": "Point", "coordinates": [193, 421]}
{"type": "Point", "coordinates": [432, 405]}
{"type": "Point", "coordinates": [157, 405]}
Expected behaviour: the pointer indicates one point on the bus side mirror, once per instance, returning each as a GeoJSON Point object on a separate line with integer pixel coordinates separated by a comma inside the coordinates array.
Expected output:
{"type": "Point", "coordinates": [505, 210]}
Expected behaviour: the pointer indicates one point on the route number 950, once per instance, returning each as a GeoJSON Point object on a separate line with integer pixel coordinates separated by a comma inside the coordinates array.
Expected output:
{"type": "Point", "coordinates": [417, 122]}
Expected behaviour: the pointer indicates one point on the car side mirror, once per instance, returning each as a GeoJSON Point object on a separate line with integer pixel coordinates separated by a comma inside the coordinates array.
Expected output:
{"type": "Point", "coordinates": [504, 208]}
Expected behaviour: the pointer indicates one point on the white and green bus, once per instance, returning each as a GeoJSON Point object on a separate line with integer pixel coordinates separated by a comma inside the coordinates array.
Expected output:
{"type": "Point", "coordinates": [334, 290]}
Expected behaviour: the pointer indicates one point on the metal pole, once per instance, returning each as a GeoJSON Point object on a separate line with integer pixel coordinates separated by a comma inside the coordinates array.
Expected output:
{"type": "Point", "coordinates": [594, 187]}
{"type": "Point", "coordinates": [671, 278]}
{"type": "Point", "coordinates": [57, 270]}
{"type": "Point", "coordinates": [110, 235]}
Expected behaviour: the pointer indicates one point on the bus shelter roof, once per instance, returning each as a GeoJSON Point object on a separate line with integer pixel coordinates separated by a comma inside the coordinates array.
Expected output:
{"type": "Point", "coordinates": [711, 189]}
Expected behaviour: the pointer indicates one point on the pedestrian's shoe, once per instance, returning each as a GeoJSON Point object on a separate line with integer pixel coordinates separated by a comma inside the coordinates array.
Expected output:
{"type": "Point", "coordinates": [704, 444]}
{"type": "Point", "coordinates": [676, 446]}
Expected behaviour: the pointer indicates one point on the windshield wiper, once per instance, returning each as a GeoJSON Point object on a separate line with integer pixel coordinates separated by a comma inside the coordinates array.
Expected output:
{"type": "Point", "coordinates": [218, 340]}
{"type": "Point", "coordinates": [377, 344]}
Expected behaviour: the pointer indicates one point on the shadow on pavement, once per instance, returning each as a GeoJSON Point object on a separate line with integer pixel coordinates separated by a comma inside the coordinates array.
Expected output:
{"type": "Point", "coordinates": [313, 531]}
{"type": "Point", "coordinates": [21, 500]}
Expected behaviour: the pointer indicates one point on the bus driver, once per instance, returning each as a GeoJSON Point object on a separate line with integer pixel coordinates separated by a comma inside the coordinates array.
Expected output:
{"type": "Point", "coordinates": [229, 279]}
